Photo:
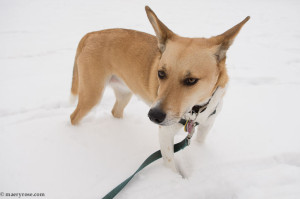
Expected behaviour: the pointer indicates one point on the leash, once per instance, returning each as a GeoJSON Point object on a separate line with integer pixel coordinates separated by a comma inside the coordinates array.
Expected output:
{"type": "Point", "coordinates": [155, 156]}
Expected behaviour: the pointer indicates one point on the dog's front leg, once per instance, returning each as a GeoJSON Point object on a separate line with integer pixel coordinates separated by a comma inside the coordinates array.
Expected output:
{"type": "Point", "coordinates": [166, 140]}
{"type": "Point", "coordinates": [203, 130]}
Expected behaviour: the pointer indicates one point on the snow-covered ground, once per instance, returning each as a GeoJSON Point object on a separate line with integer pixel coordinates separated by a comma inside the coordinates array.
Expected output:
{"type": "Point", "coordinates": [252, 152]}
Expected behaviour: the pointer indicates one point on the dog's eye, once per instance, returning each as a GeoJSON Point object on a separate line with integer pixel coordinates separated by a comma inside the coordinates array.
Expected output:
{"type": "Point", "coordinates": [190, 81]}
{"type": "Point", "coordinates": [161, 74]}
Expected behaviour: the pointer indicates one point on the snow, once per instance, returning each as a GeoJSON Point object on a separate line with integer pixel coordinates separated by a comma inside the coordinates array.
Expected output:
{"type": "Point", "coordinates": [253, 150]}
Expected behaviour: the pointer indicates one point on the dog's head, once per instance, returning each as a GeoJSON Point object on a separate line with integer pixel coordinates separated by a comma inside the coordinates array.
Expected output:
{"type": "Point", "coordinates": [189, 71]}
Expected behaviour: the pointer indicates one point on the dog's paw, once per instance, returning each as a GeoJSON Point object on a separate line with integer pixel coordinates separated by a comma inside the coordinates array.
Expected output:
{"type": "Point", "coordinates": [117, 114]}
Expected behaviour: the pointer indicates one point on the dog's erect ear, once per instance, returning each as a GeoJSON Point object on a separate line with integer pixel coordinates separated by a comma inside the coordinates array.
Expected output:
{"type": "Point", "coordinates": [161, 30]}
{"type": "Point", "coordinates": [224, 41]}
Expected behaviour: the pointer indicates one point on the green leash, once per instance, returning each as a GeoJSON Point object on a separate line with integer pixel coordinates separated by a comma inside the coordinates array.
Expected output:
{"type": "Point", "coordinates": [155, 156]}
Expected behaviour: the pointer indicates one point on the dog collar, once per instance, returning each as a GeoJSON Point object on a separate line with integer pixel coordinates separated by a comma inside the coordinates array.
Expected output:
{"type": "Point", "coordinates": [189, 124]}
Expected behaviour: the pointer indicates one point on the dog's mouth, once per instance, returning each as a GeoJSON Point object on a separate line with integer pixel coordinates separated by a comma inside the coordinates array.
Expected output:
{"type": "Point", "coordinates": [169, 122]}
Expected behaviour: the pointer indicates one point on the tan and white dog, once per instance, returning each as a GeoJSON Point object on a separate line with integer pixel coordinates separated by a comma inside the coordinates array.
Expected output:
{"type": "Point", "coordinates": [169, 72]}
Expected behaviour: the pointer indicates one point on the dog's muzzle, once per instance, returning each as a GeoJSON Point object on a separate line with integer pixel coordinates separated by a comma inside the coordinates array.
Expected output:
{"type": "Point", "coordinates": [156, 115]}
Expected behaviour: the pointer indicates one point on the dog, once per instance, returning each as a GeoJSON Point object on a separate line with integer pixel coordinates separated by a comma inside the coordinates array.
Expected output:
{"type": "Point", "coordinates": [172, 74]}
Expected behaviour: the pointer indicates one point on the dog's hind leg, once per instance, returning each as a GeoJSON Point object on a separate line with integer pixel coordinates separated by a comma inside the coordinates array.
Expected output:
{"type": "Point", "coordinates": [123, 96]}
{"type": "Point", "coordinates": [90, 89]}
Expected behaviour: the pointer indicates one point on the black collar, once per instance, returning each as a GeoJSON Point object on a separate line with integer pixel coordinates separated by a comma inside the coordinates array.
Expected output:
{"type": "Point", "coordinates": [199, 109]}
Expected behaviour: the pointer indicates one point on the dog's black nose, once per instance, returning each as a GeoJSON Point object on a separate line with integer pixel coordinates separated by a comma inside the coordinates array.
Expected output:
{"type": "Point", "coordinates": [156, 115]}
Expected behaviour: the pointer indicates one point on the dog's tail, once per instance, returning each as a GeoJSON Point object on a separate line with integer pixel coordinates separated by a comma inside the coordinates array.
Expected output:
{"type": "Point", "coordinates": [75, 79]}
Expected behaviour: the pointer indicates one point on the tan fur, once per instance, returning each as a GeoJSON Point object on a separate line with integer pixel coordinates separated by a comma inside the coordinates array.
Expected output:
{"type": "Point", "coordinates": [135, 57]}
